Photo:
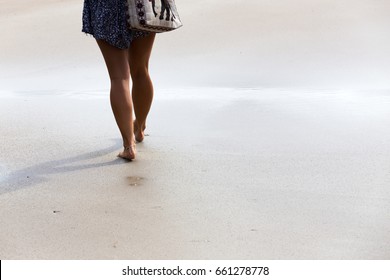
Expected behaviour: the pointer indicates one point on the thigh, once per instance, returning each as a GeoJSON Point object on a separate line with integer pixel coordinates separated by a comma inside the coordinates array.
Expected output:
{"type": "Point", "coordinates": [116, 60]}
{"type": "Point", "coordinates": [139, 52]}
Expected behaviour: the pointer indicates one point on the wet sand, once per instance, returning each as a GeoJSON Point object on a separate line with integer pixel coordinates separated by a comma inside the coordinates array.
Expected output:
{"type": "Point", "coordinates": [261, 174]}
{"type": "Point", "coordinates": [282, 168]}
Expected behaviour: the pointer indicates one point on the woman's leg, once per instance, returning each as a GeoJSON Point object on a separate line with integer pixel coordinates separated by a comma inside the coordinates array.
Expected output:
{"type": "Point", "coordinates": [142, 90]}
{"type": "Point", "coordinates": [121, 103]}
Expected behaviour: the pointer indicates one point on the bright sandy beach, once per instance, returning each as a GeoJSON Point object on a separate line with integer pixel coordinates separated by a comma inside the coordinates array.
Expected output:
{"type": "Point", "coordinates": [268, 138]}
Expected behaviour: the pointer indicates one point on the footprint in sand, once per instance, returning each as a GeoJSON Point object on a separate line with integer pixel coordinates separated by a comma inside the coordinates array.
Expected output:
{"type": "Point", "coordinates": [134, 181]}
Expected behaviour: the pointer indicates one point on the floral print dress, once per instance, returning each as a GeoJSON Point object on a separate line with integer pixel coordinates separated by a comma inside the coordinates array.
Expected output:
{"type": "Point", "coordinates": [107, 20]}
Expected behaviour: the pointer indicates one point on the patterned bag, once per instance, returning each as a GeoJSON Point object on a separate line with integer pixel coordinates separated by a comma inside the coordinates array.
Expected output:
{"type": "Point", "coordinates": [153, 15]}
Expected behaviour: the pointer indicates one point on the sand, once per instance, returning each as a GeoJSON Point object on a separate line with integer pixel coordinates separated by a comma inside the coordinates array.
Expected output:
{"type": "Point", "coordinates": [248, 157]}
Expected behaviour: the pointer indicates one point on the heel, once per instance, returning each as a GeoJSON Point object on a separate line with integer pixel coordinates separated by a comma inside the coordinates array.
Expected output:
{"type": "Point", "coordinates": [128, 153]}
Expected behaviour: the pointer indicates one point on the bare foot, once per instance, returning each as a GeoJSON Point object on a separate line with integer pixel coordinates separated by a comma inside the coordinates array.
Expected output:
{"type": "Point", "coordinates": [128, 153]}
{"type": "Point", "coordinates": [139, 134]}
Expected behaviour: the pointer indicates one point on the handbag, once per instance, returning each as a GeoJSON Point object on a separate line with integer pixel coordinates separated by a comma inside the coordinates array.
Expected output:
{"type": "Point", "coordinates": [153, 15]}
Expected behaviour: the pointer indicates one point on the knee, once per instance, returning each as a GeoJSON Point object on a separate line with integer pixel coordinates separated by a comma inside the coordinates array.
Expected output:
{"type": "Point", "coordinates": [139, 73]}
{"type": "Point", "coordinates": [120, 83]}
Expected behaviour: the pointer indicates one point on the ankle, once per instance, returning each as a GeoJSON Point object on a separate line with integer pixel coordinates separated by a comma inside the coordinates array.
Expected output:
{"type": "Point", "coordinates": [140, 125]}
{"type": "Point", "coordinates": [130, 143]}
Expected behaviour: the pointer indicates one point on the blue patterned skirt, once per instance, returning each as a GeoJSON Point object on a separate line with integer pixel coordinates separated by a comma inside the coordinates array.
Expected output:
{"type": "Point", "coordinates": [107, 20]}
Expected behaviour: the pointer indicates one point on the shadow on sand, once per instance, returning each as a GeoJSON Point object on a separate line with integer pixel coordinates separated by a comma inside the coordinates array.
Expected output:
{"type": "Point", "coordinates": [38, 173]}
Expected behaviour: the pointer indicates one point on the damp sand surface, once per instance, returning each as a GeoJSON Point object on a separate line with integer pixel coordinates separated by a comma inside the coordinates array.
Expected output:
{"type": "Point", "coordinates": [259, 174]}
{"type": "Point", "coordinates": [268, 137]}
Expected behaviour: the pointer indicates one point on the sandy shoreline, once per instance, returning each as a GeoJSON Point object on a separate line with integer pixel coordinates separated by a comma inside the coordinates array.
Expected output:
{"type": "Point", "coordinates": [296, 175]}
{"type": "Point", "coordinates": [326, 44]}
{"type": "Point", "coordinates": [268, 137]}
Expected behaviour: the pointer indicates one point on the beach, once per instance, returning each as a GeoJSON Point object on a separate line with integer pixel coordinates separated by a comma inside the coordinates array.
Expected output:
{"type": "Point", "coordinates": [267, 139]}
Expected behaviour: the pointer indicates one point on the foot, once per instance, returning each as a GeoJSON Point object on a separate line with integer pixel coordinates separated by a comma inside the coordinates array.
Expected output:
{"type": "Point", "coordinates": [139, 133]}
{"type": "Point", "coordinates": [128, 153]}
